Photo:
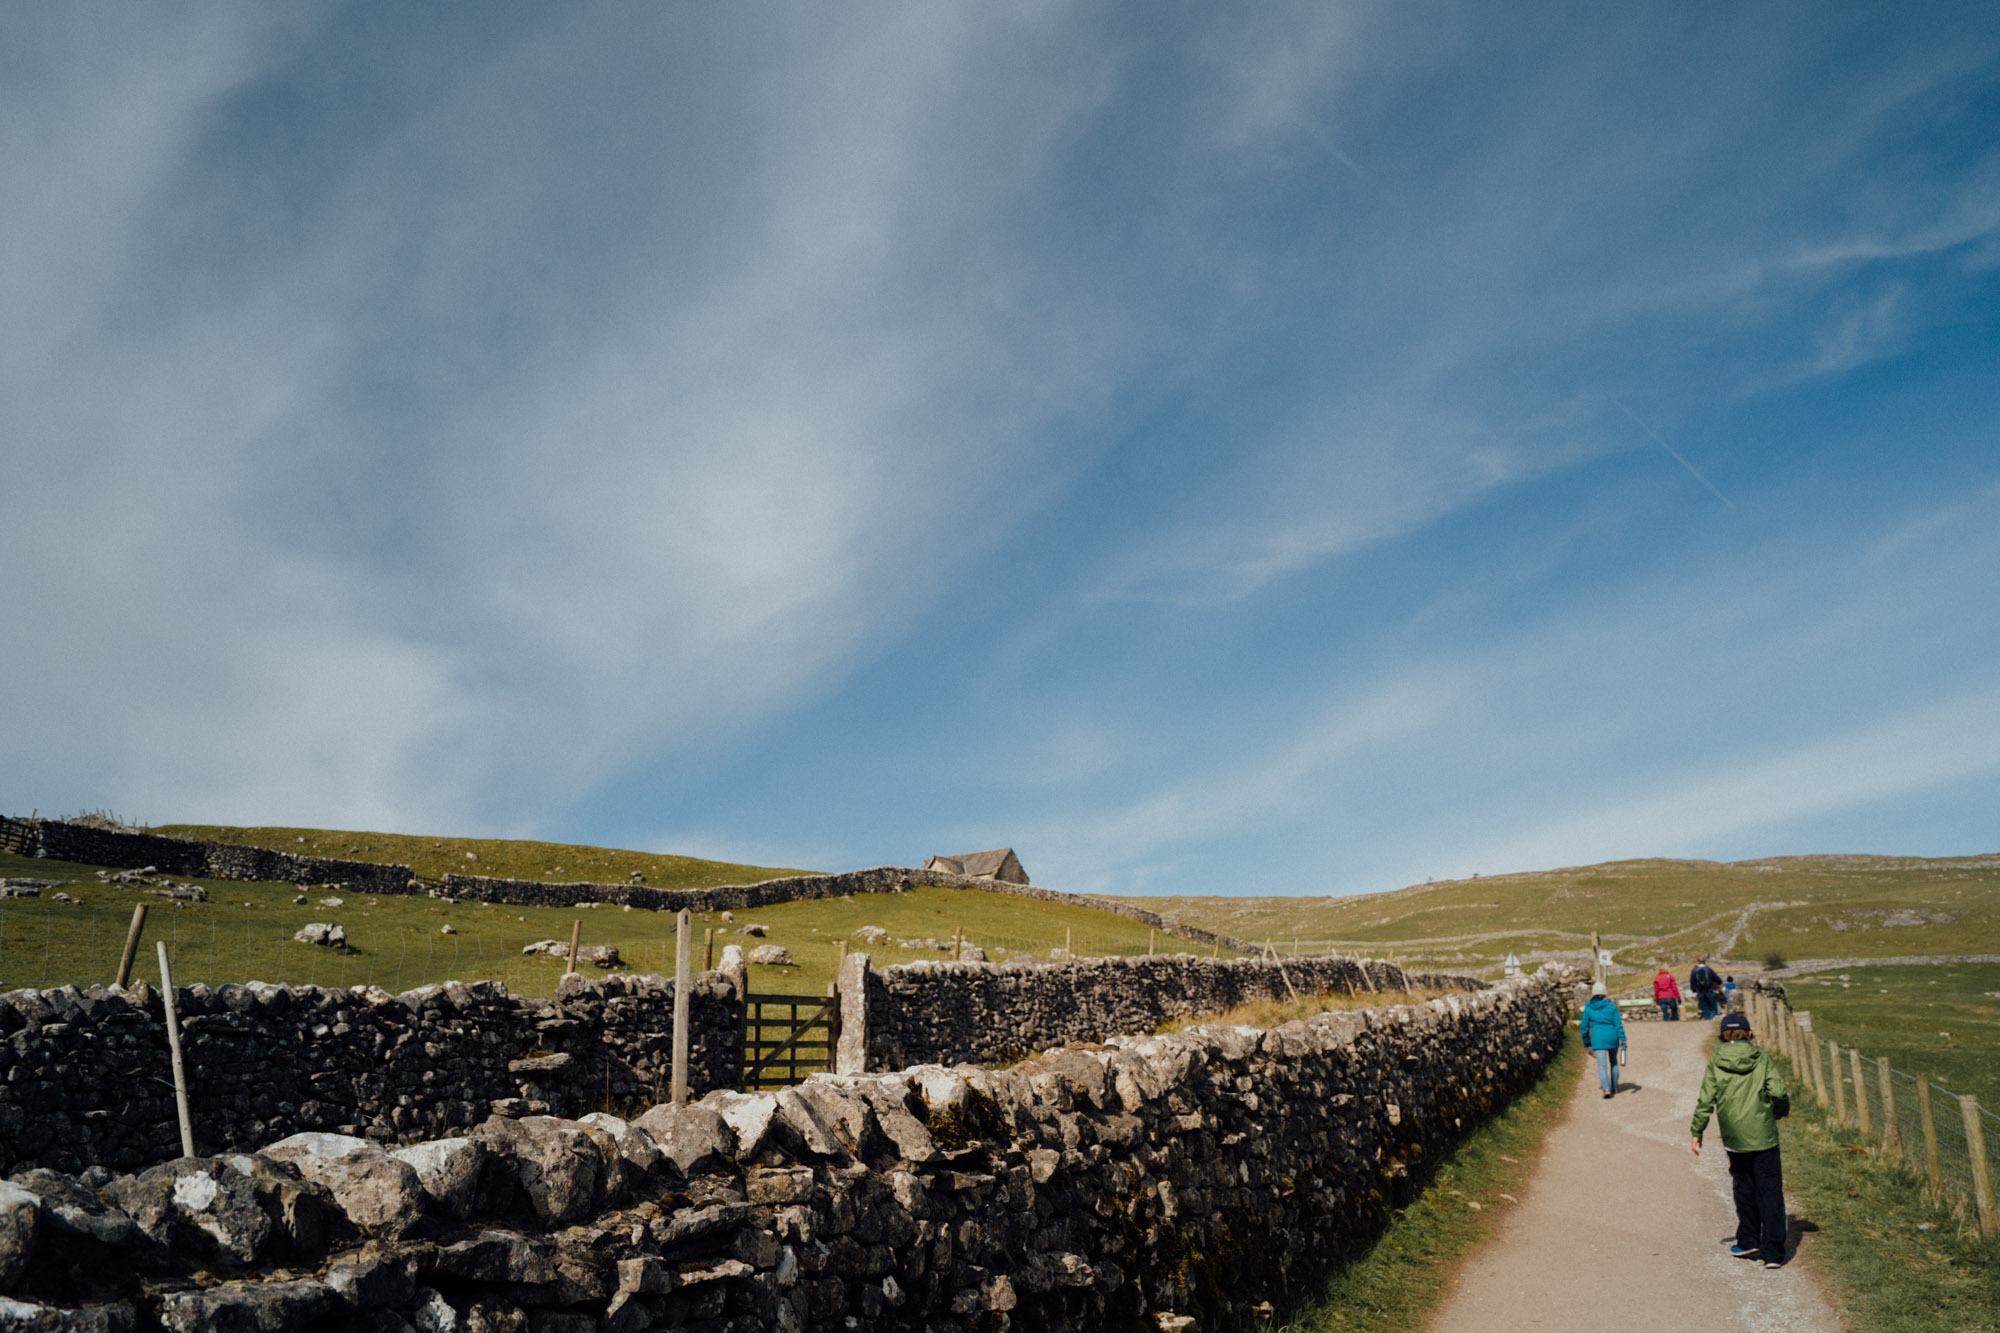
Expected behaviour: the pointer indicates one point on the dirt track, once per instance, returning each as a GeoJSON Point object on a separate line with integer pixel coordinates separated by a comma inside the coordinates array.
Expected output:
{"type": "Point", "coordinates": [1622, 1228]}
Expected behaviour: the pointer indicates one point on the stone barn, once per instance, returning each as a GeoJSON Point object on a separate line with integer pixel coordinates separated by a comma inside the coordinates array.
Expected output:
{"type": "Point", "coordinates": [1000, 864]}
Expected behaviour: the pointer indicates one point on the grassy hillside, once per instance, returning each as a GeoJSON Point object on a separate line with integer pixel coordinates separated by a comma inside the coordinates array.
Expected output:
{"type": "Point", "coordinates": [244, 931]}
{"type": "Point", "coordinates": [550, 862]}
{"type": "Point", "coordinates": [1657, 910]}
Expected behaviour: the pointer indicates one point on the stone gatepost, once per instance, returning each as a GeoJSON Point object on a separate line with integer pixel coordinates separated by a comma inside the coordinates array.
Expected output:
{"type": "Point", "coordinates": [851, 1055]}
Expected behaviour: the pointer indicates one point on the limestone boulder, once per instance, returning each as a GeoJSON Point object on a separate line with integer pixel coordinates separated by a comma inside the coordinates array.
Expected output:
{"type": "Point", "coordinates": [448, 1171]}
{"type": "Point", "coordinates": [248, 1307]}
{"type": "Point", "coordinates": [694, 1138]}
{"type": "Point", "coordinates": [380, 1195]}
{"type": "Point", "coordinates": [559, 1165]}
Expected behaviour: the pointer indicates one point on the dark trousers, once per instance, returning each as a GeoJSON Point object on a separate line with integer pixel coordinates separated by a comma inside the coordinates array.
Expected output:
{"type": "Point", "coordinates": [1670, 1010]}
{"type": "Point", "coordinates": [1709, 1008]}
{"type": "Point", "coordinates": [1759, 1184]}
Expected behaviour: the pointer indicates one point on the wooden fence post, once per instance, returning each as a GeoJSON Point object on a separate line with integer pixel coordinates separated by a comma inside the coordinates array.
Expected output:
{"type": "Point", "coordinates": [1069, 949]}
{"type": "Point", "coordinates": [1892, 1126]}
{"type": "Point", "coordinates": [1802, 1049]}
{"type": "Point", "coordinates": [575, 939]}
{"type": "Point", "coordinates": [1861, 1119]}
{"type": "Point", "coordinates": [683, 968]}
{"type": "Point", "coordinates": [132, 946]}
{"type": "Point", "coordinates": [957, 942]}
{"type": "Point", "coordinates": [1839, 1080]}
{"type": "Point", "coordinates": [1982, 1170]}
{"type": "Point", "coordinates": [1151, 934]}
{"type": "Point", "coordinates": [708, 948]}
{"type": "Point", "coordinates": [1933, 1169]}
{"type": "Point", "coordinates": [174, 1049]}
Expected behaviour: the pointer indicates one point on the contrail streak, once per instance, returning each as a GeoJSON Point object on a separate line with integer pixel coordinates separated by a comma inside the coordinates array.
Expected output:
{"type": "Point", "coordinates": [1655, 436]}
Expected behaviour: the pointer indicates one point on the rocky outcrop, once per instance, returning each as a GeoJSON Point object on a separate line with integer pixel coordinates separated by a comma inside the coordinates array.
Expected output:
{"type": "Point", "coordinates": [1131, 1184]}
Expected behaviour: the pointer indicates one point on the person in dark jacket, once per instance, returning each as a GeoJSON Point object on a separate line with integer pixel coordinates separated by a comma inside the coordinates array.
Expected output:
{"type": "Point", "coordinates": [1747, 1095]}
{"type": "Point", "coordinates": [1704, 983]}
{"type": "Point", "coordinates": [1603, 1036]}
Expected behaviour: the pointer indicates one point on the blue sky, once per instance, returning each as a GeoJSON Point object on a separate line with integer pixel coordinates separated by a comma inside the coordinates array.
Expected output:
{"type": "Point", "coordinates": [1301, 448]}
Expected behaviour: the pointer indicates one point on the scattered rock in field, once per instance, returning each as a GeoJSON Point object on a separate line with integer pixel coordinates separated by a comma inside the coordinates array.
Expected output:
{"type": "Point", "coordinates": [772, 955]}
{"type": "Point", "coordinates": [18, 891]}
{"type": "Point", "coordinates": [750, 930]}
{"type": "Point", "coordinates": [182, 893]}
{"type": "Point", "coordinates": [299, 900]}
{"type": "Point", "coordinates": [871, 934]}
{"type": "Point", "coordinates": [448, 929]}
{"type": "Point", "coordinates": [472, 856]}
{"type": "Point", "coordinates": [972, 953]}
{"type": "Point", "coordinates": [603, 955]}
{"type": "Point", "coordinates": [332, 902]}
{"type": "Point", "coordinates": [323, 933]}
{"type": "Point", "coordinates": [65, 898]}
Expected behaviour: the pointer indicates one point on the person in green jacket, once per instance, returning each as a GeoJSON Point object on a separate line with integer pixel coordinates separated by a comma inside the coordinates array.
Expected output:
{"type": "Point", "coordinates": [1746, 1094]}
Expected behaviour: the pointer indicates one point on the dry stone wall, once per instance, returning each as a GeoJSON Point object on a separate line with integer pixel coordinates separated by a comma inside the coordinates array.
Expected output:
{"type": "Point", "coordinates": [1146, 1183]}
{"type": "Point", "coordinates": [61, 840]}
{"type": "Point", "coordinates": [988, 1013]}
{"type": "Point", "coordinates": [90, 845]}
{"type": "Point", "coordinates": [85, 1078]}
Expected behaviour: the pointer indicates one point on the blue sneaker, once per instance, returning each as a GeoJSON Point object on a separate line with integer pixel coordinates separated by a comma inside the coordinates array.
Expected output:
{"type": "Point", "coordinates": [1743, 1251]}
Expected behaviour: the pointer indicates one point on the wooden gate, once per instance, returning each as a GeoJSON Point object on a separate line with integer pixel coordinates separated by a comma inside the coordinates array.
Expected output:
{"type": "Point", "coordinates": [17, 836]}
{"type": "Point", "coordinates": [786, 1037]}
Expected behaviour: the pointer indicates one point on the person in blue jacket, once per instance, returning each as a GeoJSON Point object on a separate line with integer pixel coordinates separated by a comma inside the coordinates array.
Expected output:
{"type": "Point", "coordinates": [1603, 1036]}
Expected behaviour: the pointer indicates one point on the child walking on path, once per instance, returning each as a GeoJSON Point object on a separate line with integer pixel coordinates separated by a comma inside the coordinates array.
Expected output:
{"type": "Point", "coordinates": [1747, 1095]}
{"type": "Point", "coordinates": [1603, 1036]}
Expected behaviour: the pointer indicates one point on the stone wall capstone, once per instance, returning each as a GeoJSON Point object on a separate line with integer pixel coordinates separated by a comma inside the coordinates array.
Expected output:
{"type": "Point", "coordinates": [1143, 1184]}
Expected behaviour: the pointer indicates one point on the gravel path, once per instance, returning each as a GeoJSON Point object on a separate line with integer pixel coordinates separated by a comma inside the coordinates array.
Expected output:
{"type": "Point", "coordinates": [1622, 1228]}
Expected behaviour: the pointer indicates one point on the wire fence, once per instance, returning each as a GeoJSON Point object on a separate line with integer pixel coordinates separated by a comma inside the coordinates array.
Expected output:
{"type": "Point", "coordinates": [1915, 1120]}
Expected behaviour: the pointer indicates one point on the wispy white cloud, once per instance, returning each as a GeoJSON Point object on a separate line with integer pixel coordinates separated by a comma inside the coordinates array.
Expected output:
{"type": "Point", "coordinates": [1919, 751]}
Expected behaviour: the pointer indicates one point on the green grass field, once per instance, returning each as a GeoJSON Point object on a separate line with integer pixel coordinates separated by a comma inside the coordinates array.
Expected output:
{"type": "Point", "coordinates": [1649, 911]}
{"type": "Point", "coordinates": [244, 932]}
{"type": "Point", "coordinates": [1942, 1019]}
{"type": "Point", "coordinates": [549, 862]}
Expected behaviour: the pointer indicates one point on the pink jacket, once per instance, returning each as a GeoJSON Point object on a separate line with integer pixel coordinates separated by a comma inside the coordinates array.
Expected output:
{"type": "Point", "coordinates": [1664, 987]}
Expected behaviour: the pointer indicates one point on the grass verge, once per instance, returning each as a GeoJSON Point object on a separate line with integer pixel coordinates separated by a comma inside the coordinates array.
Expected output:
{"type": "Point", "coordinates": [1398, 1278]}
{"type": "Point", "coordinates": [1895, 1263]}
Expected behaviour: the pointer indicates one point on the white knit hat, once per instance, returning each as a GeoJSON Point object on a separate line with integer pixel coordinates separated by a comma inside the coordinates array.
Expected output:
{"type": "Point", "coordinates": [1597, 988]}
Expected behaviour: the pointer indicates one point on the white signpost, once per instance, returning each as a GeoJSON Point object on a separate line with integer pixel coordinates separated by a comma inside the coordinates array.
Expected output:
{"type": "Point", "coordinates": [1513, 966]}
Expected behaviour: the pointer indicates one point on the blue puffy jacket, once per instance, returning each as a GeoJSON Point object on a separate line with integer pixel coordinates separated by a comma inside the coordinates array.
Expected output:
{"type": "Point", "coordinates": [1602, 1028]}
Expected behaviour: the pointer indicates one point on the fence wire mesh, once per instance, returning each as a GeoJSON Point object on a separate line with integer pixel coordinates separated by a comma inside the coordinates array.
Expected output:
{"type": "Point", "coordinates": [1906, 1146]}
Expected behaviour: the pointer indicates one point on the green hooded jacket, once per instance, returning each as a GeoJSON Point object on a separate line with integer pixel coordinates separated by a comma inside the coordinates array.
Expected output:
{"type": "Point", "coordinates": [1738, 1088]}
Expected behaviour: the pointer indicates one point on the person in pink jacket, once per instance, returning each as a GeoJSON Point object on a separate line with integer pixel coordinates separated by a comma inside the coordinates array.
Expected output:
{"type": "Point", "coordinates": [1667, 994]}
